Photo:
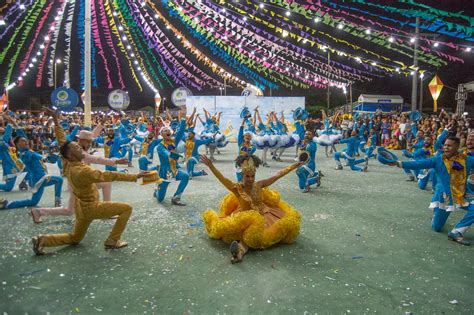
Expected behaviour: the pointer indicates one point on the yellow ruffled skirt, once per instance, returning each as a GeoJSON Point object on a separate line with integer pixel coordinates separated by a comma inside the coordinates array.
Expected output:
{"type": "Point", "coordinates": [249, 226]}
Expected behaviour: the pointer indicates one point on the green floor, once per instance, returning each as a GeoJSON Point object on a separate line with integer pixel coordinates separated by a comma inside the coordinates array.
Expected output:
{"type": "Point", "coordinates": [365, 246]}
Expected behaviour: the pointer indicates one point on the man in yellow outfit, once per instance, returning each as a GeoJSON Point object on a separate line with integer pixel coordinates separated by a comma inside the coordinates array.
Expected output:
{"type": "Point", "coordinates": [83, 179]}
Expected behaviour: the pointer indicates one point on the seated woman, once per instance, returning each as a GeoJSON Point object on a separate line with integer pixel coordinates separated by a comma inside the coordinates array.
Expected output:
{"type": "Point", "coordinates": [394, 144]}
{"type": "Point", "coordinates": [251, 215]}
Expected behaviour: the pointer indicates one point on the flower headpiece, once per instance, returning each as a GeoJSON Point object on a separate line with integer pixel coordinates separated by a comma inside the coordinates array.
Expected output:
{"type": "Point", "coordinates": [248, 166]}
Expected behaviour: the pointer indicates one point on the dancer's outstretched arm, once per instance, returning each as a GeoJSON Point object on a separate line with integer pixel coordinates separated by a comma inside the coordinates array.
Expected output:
{"type": "Point", "coordinates": [280, 174]}
{"type": "Point", "coordinates": [200, 119]}
{"type": "Point", "coordinates": [190, 119]}
{"type": "Point", "coordinates": [230, 185]}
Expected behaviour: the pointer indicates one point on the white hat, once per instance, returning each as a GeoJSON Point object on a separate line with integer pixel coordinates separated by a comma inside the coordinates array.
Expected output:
{"type": "Point", "coordinates": [85, 135]}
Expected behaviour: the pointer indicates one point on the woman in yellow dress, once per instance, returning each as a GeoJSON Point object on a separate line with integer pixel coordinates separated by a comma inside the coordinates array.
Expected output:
{"type": "Point", "coordinates": [251, 215]}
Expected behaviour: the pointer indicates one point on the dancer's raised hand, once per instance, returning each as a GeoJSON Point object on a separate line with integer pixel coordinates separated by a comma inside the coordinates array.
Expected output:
{"type": "Point", "coordinates": [205, 160]}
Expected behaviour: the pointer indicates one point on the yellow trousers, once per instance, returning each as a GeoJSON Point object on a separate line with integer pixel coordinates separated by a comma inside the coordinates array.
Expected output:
{"type": "Point", "coordinates": [85, 214]}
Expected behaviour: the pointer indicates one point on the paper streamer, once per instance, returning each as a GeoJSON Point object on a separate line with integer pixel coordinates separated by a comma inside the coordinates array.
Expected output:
{"type": "Point", "coordinates": [158, 41]}
{"type": "Point", "coordinates": [272, 43]}
{"type": "Point", "coordinates": [33, 43]}
{"type": "Point", "coordinates": [67, 39]}
{"type": "Point", "coordinates": [201, 57]}
{"type": "Point", "coordinates": [257, 80]}
{"type": "Point", "coordinates": [108, 39]}
{"type": "Point", "coordinates": [178, 77]}
{"type": "Point", "coordinates": [266, 68]}
{"type": "Point", "coordinates": [120, 46]}
{"type": "Point", "coordinates": [18, 15]}
{"type": "Point", "coordinates": [98, 43]}
{"type": "Point", "coordinates": [135, 39]}
{"type": "Point", "coordinates": [28, 26]}
{"type": "Point", "coordinates": [54, 41]}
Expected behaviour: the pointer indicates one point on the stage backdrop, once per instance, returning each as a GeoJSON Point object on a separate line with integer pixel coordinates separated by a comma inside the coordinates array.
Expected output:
{"type": "Point", "coordinates": [230, 106]}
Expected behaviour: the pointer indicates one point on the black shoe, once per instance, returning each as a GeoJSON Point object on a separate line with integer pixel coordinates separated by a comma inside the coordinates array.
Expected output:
{"type": "Point", "coordinates": [23, 186]}
{"type": "Point", "coordinates": [177, 201]}
{"type": "Point", "coordinates": [37, 246]}
{"type": "Point", "coordinates": [204, 173]}
{"type": "Point", "coordinates": [3, 204]}
{"type": "Point", "coordinates": [458, 238]}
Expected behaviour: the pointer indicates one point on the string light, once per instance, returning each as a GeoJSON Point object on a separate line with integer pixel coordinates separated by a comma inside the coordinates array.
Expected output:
{"type": "Point", "coordinates": [436, 44]}
{"type": "Point", "coordinates": [287, 13]}
{"type": "Point", "coordinates": [412, 40]}
{"type": "Point", "coordinates": [317, 20]}
{"type": "Point", "coordinates": [468, 49]}
{"type": "Point", "coordinates": [261, 5]}
{"type": "Point", "coordinates": [391, 39]}
{"type": "Point", "coordinates": [340, 26]}
{"type": "Point", "coordinates": [368, 31]}
{"type": "Point", "coordinates": [11, 86]}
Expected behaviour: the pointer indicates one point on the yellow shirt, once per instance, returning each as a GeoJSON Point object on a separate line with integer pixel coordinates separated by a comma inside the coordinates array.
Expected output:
{"type": "Point", "coordinates": [82, 179]}
{"type": "Point", "coordinates": [189, 147]}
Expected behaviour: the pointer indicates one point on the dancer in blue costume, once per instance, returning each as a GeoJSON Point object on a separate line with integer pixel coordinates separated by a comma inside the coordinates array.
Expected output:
{"type": "Point", "coordinates": [286, 140]}
{"type": "Point", "coordinates": [112, 145]}
{"type": "Point", "coordinates": [371, 145]}
{"type": "Point", "coordinates": [192, 153]}
{"type": "Point", "coordinates": [126, 131]}
{"type": "Point", "coordinates": [147, 149]}
{"type": "Point", "coordinates": [300, 116]}
{"type": "Point", "coordinates": [349, 154]}
{"type": "Point", "coordinates": [307, 174]}
{"type": "Point", "coordinates": [427, 151]}
{"type": "Point", "coordinates": [454, 170]}
{"type": "Point", "coordinates": [416, 144]}
{"type": "Point", "coordinates": [11, 166]}
{"type": "Point", "coordinates": [244, 142]}
{"type": "Point", "coordinates": [329, 135]}
{"type": "Point", "coordinates": [212, 131]}
{"type": "Point", "coordinates": [39, 177]}
{"type": "Point", "coordinates": [169, 166]}
{"type": "Point", "coordinates": [265, 137]}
